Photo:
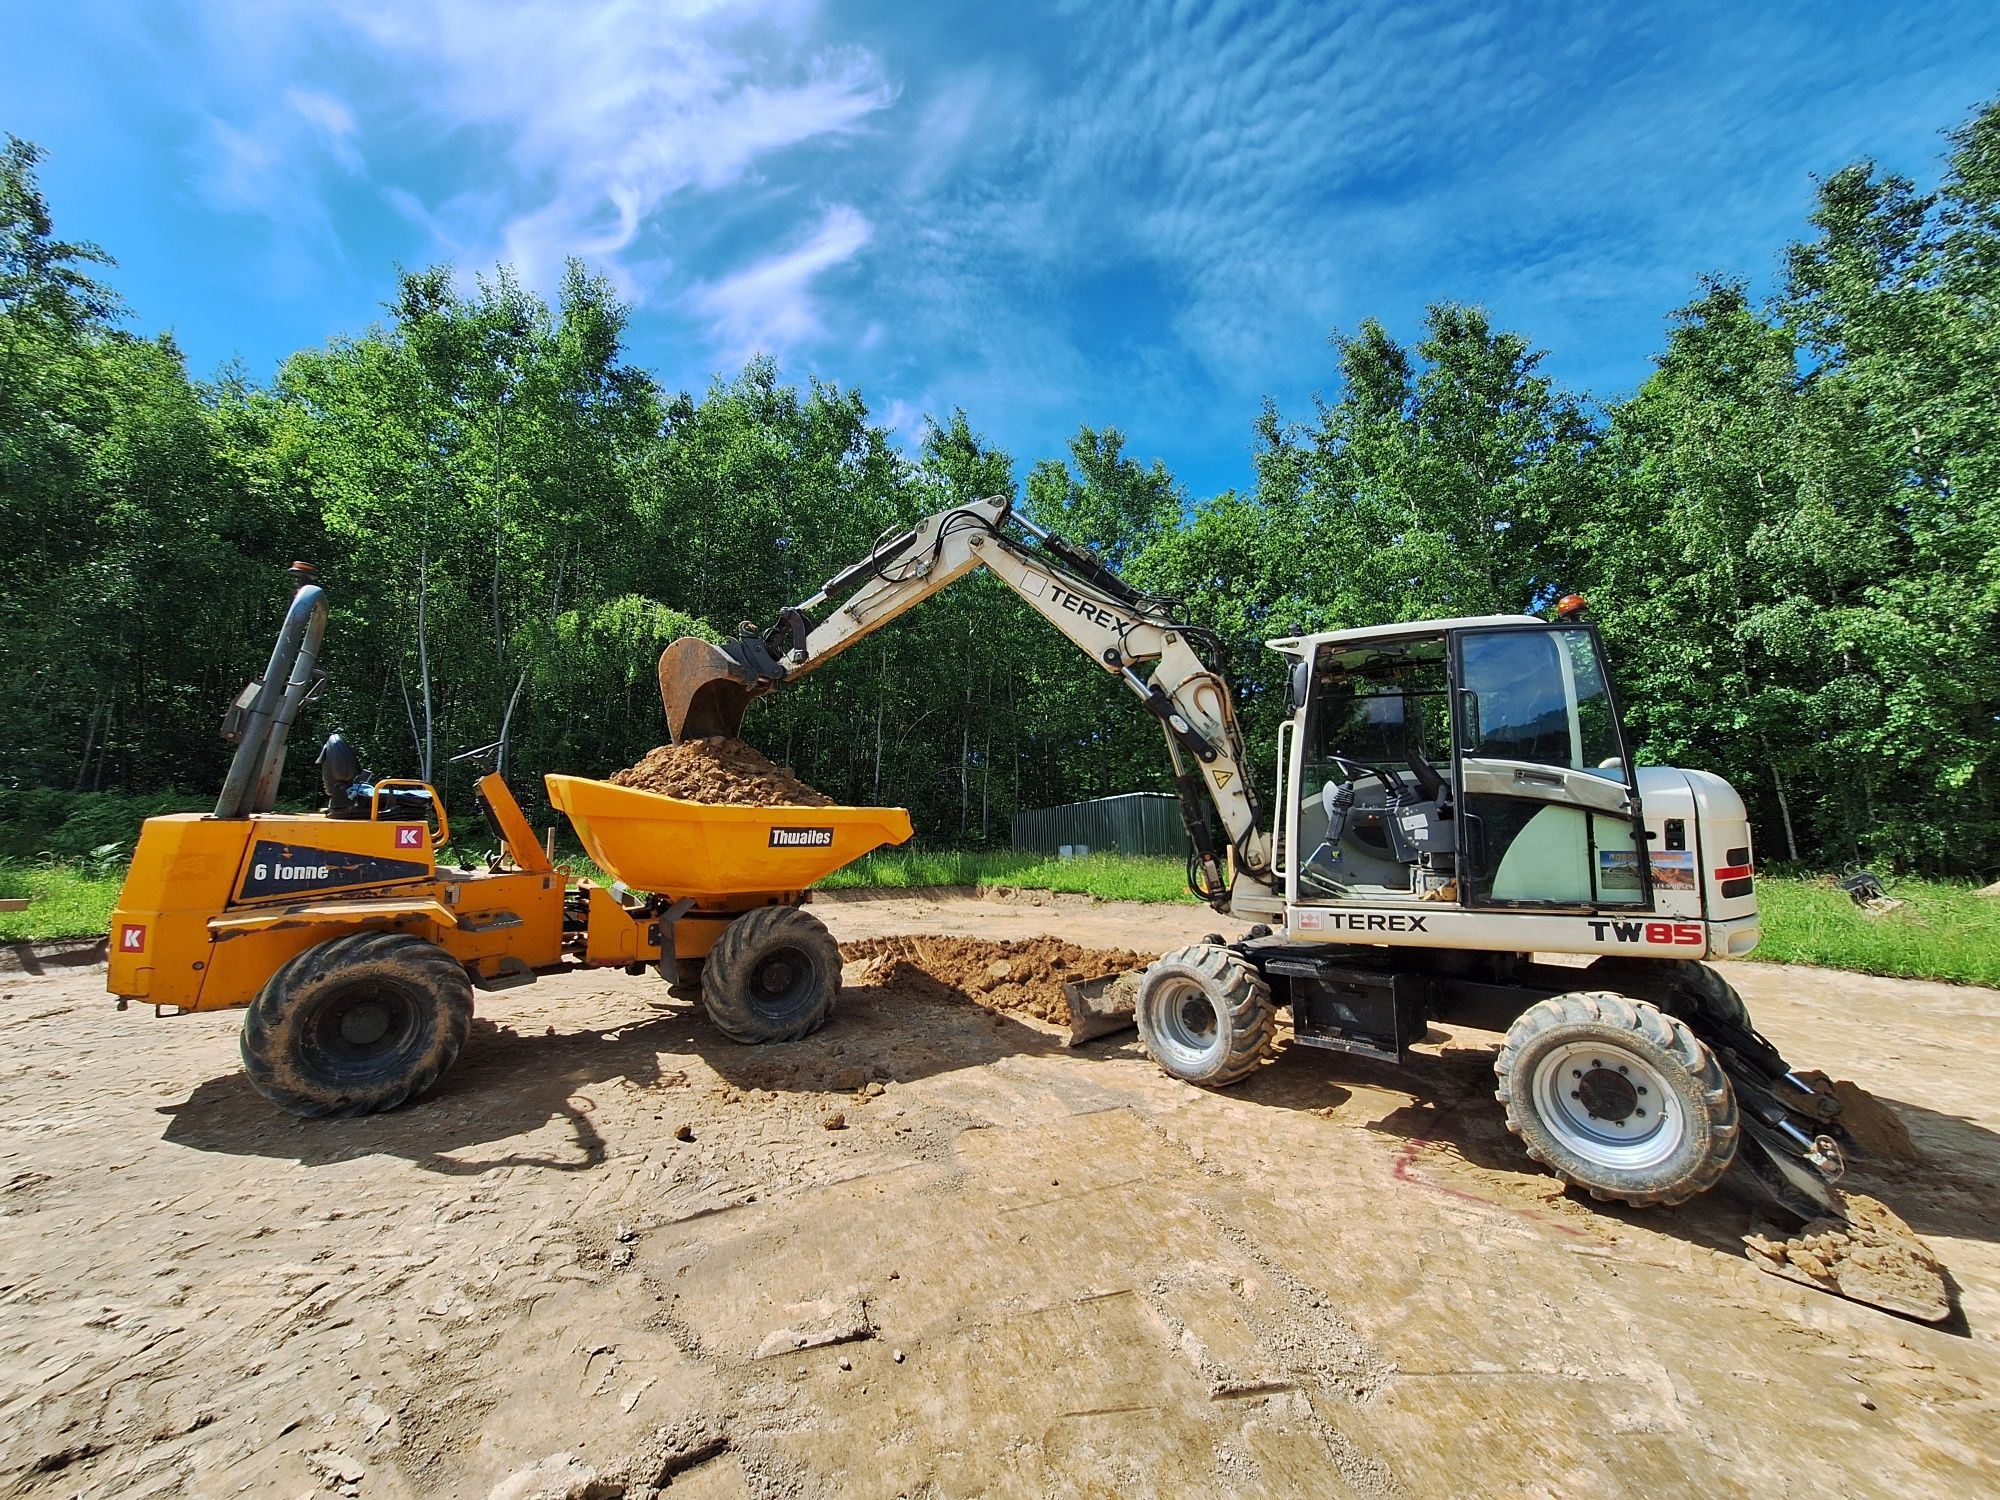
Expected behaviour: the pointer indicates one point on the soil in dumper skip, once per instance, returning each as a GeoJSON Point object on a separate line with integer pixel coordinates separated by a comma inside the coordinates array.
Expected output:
{"type": "Point", "coordinates": [1023, 978]}
{"type": "Point", "coordinates": [720, 772]}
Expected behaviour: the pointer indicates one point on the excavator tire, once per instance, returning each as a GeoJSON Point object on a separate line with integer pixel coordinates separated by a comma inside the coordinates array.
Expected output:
{"type": "Point", "coordinates": [1677, 985]}
{"type": "Point", "coordinates": [771, 976]}
{"type": "Point", "coordinates": [1617, 1097]}
{"type": "Point", "coordinates": [1205, 1015]}
{"type": "Point", "coordinates": [357, 1024]}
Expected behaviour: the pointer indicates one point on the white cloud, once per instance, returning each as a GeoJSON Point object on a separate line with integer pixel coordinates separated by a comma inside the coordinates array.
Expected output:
{"type": "Point", "coordinates": [770, 307]}
{"type": "Point", "coordinates": [331, 120]}
{"type": "Point", "coordinates": [604, 116]}
{"type": "Point", "coordinates": [636, 135]}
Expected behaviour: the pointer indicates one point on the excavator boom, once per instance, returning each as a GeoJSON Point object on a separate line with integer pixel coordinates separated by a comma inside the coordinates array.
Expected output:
{"type": "Point", "coordinates": [706, 689]}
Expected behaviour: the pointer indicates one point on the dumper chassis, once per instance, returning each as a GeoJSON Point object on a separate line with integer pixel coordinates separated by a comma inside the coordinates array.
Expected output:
{"type": "Point", "coordinates": [357, 950]}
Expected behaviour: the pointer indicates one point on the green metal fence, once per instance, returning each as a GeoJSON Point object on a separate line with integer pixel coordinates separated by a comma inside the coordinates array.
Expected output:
{"type": "Point", "coordinates": [1136, 823]}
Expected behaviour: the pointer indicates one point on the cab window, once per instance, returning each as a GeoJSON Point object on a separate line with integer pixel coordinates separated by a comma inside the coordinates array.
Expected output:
{"type": "Point", "coordinates": [1540, 696]}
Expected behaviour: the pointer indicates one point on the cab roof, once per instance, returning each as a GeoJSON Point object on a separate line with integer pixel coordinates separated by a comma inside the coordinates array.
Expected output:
{"type": "Point", "coordinates": [1302, 645]}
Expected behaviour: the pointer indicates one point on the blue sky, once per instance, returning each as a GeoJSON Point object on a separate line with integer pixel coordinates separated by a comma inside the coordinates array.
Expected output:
{"type": "Point", "coordinates": [1145, 215]}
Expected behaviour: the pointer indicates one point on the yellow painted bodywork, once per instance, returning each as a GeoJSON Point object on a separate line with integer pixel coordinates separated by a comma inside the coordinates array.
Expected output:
{"type": "Point", "coordinates": [720, 854]}
{"type": "Point", "coordinates": [212, 907]}
{"type": "Point", "coordinates": [197, 926]}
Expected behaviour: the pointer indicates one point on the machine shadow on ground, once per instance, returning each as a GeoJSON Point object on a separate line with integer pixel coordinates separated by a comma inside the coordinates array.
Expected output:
{"type": "Point", "coordinates": [511, 1083]}
{"type": "Point", "coordinates": [1457, 1141]}
{"type": "Point", "coordinates": [1954, 1190]}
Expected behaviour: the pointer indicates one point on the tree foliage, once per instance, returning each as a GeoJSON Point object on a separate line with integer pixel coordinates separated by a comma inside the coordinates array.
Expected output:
{"type": "Point", "coordinates": [1790, 533]}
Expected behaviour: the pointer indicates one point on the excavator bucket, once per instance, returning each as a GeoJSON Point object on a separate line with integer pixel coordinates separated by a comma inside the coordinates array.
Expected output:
{"type": "Point", "coordinates": [1100, 1007]}
{"type": "Point", "coordinates": [706, 689]}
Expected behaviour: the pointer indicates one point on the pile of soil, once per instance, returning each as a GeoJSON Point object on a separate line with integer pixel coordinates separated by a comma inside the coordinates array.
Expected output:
{"type": "Point", "coordinates": [1870, 1124]}
{"type": "Point", "coordinates": [720, 772]}
{"type": "Point", "coordinates": [1023, 978]}
{"type": "Point", "coordinates": [1871, 1256]}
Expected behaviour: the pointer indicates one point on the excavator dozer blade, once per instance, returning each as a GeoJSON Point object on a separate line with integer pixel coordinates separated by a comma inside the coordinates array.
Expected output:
{"type": "Point", "coordinates": [1851, 1245]}
{"type": "Point", "coordinates": [706, 690]}
{"type": "Point", "coordinates": [1861, 1251]}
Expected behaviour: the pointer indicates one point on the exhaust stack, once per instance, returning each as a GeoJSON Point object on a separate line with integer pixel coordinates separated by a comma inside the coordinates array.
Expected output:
{"type": "Point", "coordinates": [260, 720]}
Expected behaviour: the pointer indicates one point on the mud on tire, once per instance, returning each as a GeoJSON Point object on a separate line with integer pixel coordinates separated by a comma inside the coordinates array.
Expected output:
{"type": "Point", "coordinates": [772, 976]}
{"type": "Point", "coordinates": [356, 1024]}
{"type": "Point", "coordinates": [1205, 1015]}
{"type": "Point", "coordinates": [1615, 1096]}
{"type": "Point", "coordinates": [1679, 986]}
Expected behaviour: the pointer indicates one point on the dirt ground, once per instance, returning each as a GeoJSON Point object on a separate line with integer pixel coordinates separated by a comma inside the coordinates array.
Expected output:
{"type": "Point", "coordinates": [1011, 1269]}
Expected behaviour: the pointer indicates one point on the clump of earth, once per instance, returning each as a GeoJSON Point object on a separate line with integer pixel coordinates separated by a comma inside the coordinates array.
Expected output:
{"type": "Point", "coordinates": [720, 772]}
{"type": "Point", "coordinates": [1023, 977]}
{"type": "Point", "coordinates": [1870, 1255]}
{"type": "Point", "coordinates": [1871, 1126]}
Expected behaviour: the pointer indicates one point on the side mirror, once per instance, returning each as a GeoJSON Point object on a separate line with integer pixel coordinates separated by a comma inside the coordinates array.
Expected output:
{"type": "Point", "coordinates": [1296, 684]}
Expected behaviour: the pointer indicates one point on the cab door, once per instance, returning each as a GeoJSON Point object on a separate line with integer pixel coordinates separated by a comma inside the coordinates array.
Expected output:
{"type": "Point", "coordinates": [1548, 803]}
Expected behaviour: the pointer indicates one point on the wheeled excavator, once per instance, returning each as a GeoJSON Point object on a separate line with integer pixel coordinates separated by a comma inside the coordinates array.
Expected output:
{"type": "Point", "coordinates": [1452, 798]}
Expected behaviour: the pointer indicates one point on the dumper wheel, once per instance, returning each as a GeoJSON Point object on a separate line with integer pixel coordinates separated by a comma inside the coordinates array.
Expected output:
{"type": "Point", "coordinates": [357, 1024]}
{"type": "Point", "coordinates": [771, 976]}
{"type": "Point", "coordinates": [1615, 1096]}
{"type": "Point", "coordinates": [1205, 1015]}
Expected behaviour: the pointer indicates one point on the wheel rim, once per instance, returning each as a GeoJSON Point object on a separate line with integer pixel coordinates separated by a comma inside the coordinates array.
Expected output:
{"type": "Point", "coordinates": [781, 981]}
{"type": "Point", "coordinates": [1186, 1018]}
{"type": "Point", "coordinates": [355, 1028]}
{"type": "Point", "coordinates": [1609, 1105]}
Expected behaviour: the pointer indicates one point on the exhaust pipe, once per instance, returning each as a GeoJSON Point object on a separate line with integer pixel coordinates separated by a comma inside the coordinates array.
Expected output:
{"type": "Point", "coordinates": [260, 720]}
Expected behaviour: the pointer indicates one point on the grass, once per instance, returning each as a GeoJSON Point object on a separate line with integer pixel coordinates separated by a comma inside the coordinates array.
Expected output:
{"type": "Point", "coordinates": [1944, 930]}
{"type": "Point", "coordinates": [69, 900]}
{"type": "Point", "coordinates": [1114, 877]}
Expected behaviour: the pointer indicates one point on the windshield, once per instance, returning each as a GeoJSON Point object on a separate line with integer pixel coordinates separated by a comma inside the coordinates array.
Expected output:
{"type": "Point", "coordinates": [1539, 696]}
{"type": "Point", "coordinates": [1382, 706]}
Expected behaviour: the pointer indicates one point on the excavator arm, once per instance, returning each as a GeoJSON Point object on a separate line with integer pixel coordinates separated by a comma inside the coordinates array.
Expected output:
{"type": "Point", "coordinates": [1131, 635]}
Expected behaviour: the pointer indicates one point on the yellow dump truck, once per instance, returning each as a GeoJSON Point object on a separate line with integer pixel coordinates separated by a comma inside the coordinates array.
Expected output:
{"type": "Point", "coordinates": [357, 952]}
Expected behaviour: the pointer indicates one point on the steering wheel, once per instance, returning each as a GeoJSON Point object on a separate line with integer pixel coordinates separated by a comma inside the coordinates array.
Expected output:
{"type": "Point", "coordinates": [1393, 780]}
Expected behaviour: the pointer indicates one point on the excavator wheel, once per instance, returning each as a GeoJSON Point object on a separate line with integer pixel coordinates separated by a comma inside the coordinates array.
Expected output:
{"type": "Point", "coordinates": [1677, 985]}
{"type": "Point", "coordinates": [1615, 1096]}
{"type": "Point", "coordinates": [357, 1024]}
{"type": "Point", "coordinates": [771, 976]}
{"type": "Point", "coordinates": [1205, 1015]}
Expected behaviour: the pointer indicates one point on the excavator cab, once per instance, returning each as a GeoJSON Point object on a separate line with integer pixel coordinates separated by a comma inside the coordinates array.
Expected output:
{"type": "Point", "coordinates": [1478, 763]}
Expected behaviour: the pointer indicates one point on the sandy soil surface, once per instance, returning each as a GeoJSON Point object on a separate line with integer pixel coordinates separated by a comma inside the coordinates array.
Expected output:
{"type": "Point", "coordinates": [612, 1248]}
